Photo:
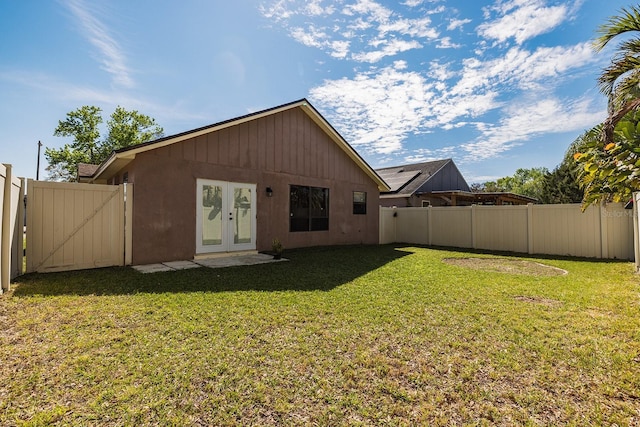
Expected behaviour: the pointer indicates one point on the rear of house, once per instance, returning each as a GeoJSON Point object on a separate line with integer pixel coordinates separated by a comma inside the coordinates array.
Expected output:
{"type": "Point", "coordinates": [282, 173]}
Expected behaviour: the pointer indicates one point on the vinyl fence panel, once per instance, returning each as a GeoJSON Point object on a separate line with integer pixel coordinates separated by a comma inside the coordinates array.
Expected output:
{"type": "Point", "coordinates": [501, 228]}
{"type": "Point", "coordinates": [560, 230]}
{"type": "Point", "coordinates": [387, 226]}
{"type": "Point", "coordinates": [414, 227]}
{"type": "Point", "coordinates": [599, 232]}
{"type": "Point", "coordinates": [451, 226]}
{"type": "Point", "coordinates": [73, 226]}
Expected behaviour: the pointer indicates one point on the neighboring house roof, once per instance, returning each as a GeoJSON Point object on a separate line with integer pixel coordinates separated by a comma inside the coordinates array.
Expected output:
{"type": "Point", "coordinates": [86, 170]}
{"type": "Point", "coordinates": [120, 158]}
{"type": "Point", "coordinates": [440, 179]}
{"type": "Point", "coordinates": [406, 180]}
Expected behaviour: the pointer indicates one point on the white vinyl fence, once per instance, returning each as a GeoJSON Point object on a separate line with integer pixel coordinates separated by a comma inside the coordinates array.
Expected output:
{"type": "Point", "coordinates": [605, 231]}
{"type": "Point", "coordinates": [11, 226]}
{"type": "Point", "coordinates": [636, 229]}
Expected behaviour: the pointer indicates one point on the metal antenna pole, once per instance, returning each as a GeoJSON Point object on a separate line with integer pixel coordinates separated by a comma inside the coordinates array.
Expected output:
{"type": "Point", "coordinates": [38, 165]}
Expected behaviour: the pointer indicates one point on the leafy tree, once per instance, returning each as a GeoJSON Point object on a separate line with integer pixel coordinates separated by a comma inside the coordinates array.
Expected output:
{"type": "Point", "coordinates": [526, 182]}
{"type": "Point", "coordinates": [610, 172]}
{"type": "Point", "coordinates": [561, 185]}
{"type": "Point", "coordinates": [620, 81]}
{"type": "Point", "coordinates": [124, 128]}
{"type": "Point", "coordinates": [82, 124]}
{"type": "Point", "coordinates": [485, 187]}
{"type": "Point", "coordinates": [127, 128]}
{"type": "Point", "coordinates": [609, 152]}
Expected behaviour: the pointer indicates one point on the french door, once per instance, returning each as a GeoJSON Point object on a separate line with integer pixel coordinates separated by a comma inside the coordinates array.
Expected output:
{"type": "Point", "coordinates": [226, 216]}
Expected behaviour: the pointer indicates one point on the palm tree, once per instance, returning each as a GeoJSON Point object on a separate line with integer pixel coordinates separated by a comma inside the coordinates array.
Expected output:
{"type": "Point", "coordinates": [620, 81]}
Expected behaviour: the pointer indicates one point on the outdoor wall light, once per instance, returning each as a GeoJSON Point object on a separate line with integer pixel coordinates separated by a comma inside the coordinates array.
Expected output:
{"type": "Point", "coordinates": [269, 192]}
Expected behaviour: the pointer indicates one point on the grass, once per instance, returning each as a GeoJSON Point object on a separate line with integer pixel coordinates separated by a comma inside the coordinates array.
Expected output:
{"type": "Point", "coordinates": [373, 335]}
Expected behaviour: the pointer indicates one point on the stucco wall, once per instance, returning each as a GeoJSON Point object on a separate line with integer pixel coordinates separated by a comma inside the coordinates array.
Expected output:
{"type": "Point", "coordinates": [276, 151]}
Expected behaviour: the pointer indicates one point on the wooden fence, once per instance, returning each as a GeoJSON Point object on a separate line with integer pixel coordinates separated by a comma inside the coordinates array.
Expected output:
{"type": "Point", "coordinates": [605, 231]}
{"type": "Point", "coordinates": [73, 226]}
{"type": "Point", "coordinates": [11, 226]}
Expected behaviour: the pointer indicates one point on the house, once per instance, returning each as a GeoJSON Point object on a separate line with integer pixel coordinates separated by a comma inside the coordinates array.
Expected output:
{"type": "Point", "coordinates": [437, 183]}
{"type": "Point", "coordinates": [415, 184]}
{"type": "Point", "coordinates": [283, 173]}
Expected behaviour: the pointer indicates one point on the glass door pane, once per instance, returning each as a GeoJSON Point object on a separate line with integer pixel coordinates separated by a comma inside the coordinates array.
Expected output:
{"type": "Point", "coordinates": [211, 215]}
{"type": "Point", "coordinates": [242, 214]}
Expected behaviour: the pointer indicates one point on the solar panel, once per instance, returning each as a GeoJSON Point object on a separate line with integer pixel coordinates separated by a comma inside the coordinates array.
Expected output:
{"type": "Point", "coordinates": [397, 180]}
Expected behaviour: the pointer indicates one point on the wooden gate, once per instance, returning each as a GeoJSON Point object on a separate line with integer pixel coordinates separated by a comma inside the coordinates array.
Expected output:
{"type": "Point", "coordinates": [73, 226]}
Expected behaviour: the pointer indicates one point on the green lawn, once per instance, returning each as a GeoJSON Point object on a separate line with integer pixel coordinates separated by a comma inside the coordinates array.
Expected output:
{"type": "Point", "coordinates": [372, 335]}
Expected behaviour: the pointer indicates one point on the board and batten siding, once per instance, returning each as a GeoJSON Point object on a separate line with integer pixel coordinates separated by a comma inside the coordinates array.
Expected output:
{"type": "Point", "coordinates": [276, 151]}
{"type": "Point", "coordinates": [605, 231]}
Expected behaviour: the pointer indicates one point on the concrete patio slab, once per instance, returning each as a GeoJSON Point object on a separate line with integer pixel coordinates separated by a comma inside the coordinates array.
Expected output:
{"type": "Point", "coordinates": [215, 262]}
{"type": "Point", "coordinates": [152, 268]}
{"type": "Point", "coordinates": [181, 265]}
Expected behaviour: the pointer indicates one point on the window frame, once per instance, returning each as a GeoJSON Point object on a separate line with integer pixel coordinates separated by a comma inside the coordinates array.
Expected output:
{"type": "Point", "coordinates": [308, 208]}
{"type": "Point", "coordinates": [359, 206]}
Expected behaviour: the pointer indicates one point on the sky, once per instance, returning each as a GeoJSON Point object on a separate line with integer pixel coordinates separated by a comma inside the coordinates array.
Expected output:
{"type": "Point", "coordinates": [496, 85]}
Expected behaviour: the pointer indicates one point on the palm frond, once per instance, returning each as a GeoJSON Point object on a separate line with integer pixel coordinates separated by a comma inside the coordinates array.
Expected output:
{"type": "Point", "coordinates": [620, 66]}
{"type": "Point", "coordinates": [627, 20]}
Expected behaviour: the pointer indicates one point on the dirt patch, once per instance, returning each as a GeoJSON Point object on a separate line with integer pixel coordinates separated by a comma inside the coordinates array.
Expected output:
{"type": "Point", "coordinates": [539, 300]}
{"type": "Point", "coordinates": [505, 265]}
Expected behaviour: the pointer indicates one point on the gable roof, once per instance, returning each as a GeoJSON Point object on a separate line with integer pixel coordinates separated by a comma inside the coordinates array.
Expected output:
{"type": "Point", "coordinates": [120, 158]}
{"type": "Point", "coordinates": [405, 180]}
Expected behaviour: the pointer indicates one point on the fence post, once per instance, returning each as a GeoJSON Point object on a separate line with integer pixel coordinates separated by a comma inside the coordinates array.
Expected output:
{"type": "Point", "coordinates": [429, 225]}
{"type": "Point", "coordinates": [128, 222]}
{"type": "Point", "coordinates": [636, 231]}
{"type": "Point", "coordinates": [473, 226]}
{"type": "Point", "coordinates": [7, 233]}
{"type": "Point", "coordinates": [604, 240]}
{"type": "Point", "coordinates": [18, 249]}
{"type": "Point", "coordinates": [530, 228]}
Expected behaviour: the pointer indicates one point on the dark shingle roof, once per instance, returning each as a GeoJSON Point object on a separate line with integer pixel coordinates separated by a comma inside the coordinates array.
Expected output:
{"type": "Point", "coordinates": [86, 170]}
{"type": "Point", "coordinates": [407, 179]}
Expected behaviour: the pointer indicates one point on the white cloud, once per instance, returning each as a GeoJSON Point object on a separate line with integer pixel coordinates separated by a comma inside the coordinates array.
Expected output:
{"type": "Point", "coordinates": [446, 43]}
{"type": "Point", "coordinates": [526, 120]}
{"type": "Point", "coordinates": [377, 12]}
{"type": "Point", "coordinates": [440, 71]}
{"type": "Point", "coordinates": [278, 10]}
{"type": "Point", "coordinates": [377, 111]}
{"type": "Point", "coordinates": [380, 107]}
{"type": "Point", "coordinates": [420, 28]}
{"type": "Point", "coordinates": [340, 49]}
{"type": "Point", "coordinates": [523, 20]}
{"type": "Point", "coordinates": [389, 48]}
{"type": "Point", "coordinates": [110, 54]}
{"type": "Point", "coordinates": [311, 37]}
{"type": "Point", "coordinates": [427, 154]}
{"type": "Point", "coordinates": [361, 30]}
{"type": "Point", "coordinates": [522, 69]}
{"type": "Point", "coordinates": [314, 8]}
{"type": "Point", "coordinates": [457, 23]}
